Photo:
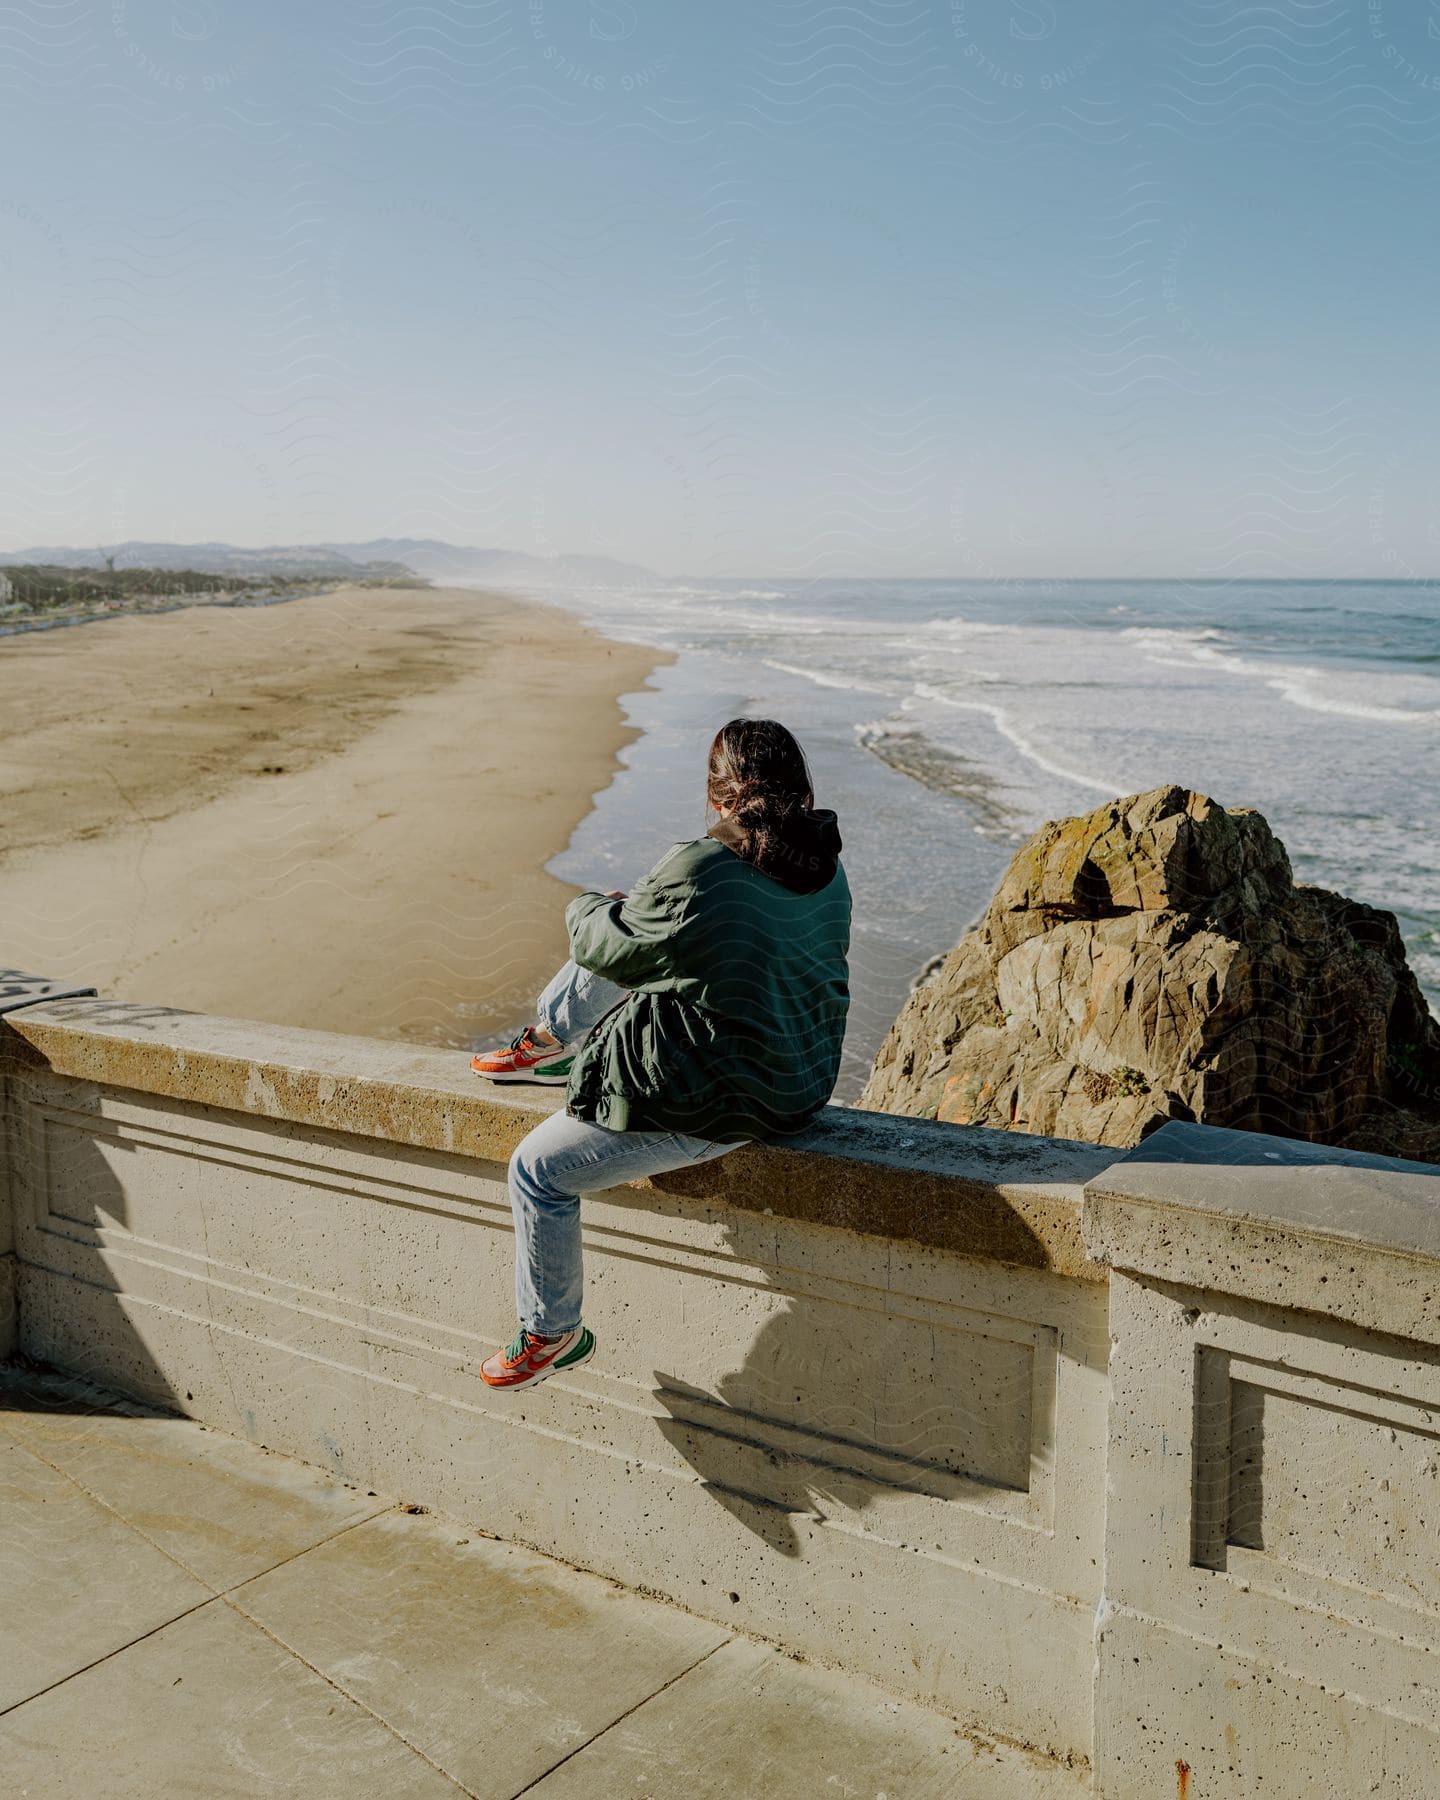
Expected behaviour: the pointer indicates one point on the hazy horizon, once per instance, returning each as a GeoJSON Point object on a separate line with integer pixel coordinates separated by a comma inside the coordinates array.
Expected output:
{"type": "Point", "coordinates": [951, 578]}
{"type": "Point", "coordinates": [919, 289]}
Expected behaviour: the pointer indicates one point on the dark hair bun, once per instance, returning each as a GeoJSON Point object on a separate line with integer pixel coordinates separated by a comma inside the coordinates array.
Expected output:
{"type": "Point", "coordinates": [758, 774]}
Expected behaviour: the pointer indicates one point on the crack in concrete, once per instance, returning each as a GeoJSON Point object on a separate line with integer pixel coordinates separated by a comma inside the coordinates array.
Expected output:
{"type": "Point", "coordinates": [620, 1719]}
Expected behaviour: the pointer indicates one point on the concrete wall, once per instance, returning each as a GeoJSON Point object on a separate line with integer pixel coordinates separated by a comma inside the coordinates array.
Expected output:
{"type": "Point", "coordinates": [17, 991]}
{"type": "Point", "coordinates": [1134, 1460]}
{"type": "Point", "coordinates": [850, 1398]}
{"type": "Point", "coordinates": [1271, 1620]}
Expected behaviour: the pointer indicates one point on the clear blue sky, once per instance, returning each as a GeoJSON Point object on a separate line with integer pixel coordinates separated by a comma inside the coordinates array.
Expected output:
{"type": "Point", "coordinates": [888, 287]}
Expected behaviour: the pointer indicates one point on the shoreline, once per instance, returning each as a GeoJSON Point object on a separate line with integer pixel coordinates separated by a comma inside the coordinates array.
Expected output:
{"type": "Point", "coordinates": [337, 812]}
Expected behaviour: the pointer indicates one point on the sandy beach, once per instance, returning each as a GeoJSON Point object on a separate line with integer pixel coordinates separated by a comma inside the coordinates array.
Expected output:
{"type": "Point", "coordinates": [334, 812]}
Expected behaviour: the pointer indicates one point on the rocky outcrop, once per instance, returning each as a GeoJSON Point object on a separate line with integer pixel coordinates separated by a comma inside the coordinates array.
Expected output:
{"type": "Point", "coordinates": [1154, 960]}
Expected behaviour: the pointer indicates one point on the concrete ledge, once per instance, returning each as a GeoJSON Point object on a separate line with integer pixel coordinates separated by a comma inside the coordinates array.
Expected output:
{"type": "Point", "coordinates": [850, 1396]}
{"type": "Point", "coordinates": [995, 1195]}
{"type": "Point", "coordinates": [986, 1417]}
{"type": "Point", "coordinates": [1295, 1225]}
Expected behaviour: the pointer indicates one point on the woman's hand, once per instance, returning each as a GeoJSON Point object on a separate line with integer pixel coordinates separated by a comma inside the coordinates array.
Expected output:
{"type": "Point", "coordinates": [615, 894]}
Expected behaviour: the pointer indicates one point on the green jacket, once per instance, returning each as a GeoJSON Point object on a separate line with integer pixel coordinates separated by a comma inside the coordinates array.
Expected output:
{"type": "Point", "coordinates": [738, 991]}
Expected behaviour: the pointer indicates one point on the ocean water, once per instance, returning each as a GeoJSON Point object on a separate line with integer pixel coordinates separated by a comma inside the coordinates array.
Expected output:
{"type": "Point", "coordinates": [946, 720]}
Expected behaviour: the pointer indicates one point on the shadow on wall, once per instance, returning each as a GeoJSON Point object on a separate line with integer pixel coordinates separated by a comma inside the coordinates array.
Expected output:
{"type": "Point", "coordinates": [75, 1162]}
{"type": "Point", "coordinates": [729, 1442]}
{"type": "Point", "coordinates": [840, 1403]}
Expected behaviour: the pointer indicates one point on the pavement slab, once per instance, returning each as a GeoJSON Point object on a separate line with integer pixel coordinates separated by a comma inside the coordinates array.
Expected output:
{"type": "Point", "coordinates": [222, 1509]}
{"type": "Point", "coordinates": [750, 1721]}
{"type": "Point", "coordinates": [493, 1661]}
{"type": "Point", "coordinates": [188, 1615]}
{"type": "Point", "coordinates": [76, 1583]}
{"type": "Point", "coordinates": [209, 1707]}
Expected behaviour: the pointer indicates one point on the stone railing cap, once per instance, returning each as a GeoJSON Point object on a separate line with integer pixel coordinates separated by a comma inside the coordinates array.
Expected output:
{"type": "Point", "coordinates": [1290, 1223]}
{"type": "Point", "coordinates": [999, 1195]}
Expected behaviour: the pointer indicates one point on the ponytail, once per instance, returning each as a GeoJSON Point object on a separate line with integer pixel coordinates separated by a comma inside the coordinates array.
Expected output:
{"type": "Point", "coordinates": [758, 773]}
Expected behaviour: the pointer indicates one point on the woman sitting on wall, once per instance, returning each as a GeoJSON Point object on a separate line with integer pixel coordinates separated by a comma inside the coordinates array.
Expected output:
{"type": "Point", "coordinates": [703, 1009]}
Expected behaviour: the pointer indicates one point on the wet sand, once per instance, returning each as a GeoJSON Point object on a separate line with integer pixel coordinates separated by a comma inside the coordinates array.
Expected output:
{"type": "Point", "coordinates": [333, 812]}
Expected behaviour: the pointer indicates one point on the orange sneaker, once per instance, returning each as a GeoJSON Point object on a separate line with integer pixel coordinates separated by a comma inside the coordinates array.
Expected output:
{"type": "Point", "coordinates": [532, 1358]}
{"type": "Point", "coordinates": [526, 1060]}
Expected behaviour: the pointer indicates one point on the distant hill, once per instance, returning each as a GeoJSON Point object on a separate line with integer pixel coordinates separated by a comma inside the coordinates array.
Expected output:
{"type": "Point", "coordinates": [381, 558]}
{"type": "Point", "coordinates": [470, 562]}
{"type": "Point", "coordinates": [295, 561]}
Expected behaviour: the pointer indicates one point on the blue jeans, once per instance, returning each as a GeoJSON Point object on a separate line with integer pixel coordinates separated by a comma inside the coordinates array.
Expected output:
{"type": "Point", "coordinates": [564, 1158]}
